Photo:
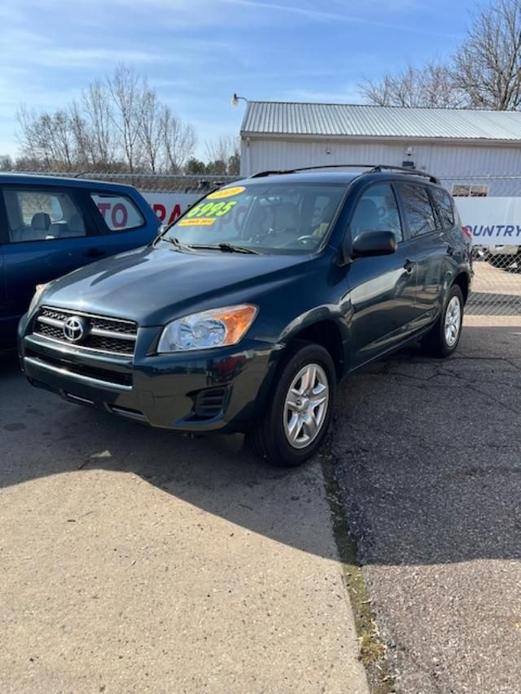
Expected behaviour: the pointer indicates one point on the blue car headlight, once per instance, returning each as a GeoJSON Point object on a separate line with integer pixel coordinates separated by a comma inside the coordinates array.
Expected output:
{"type": "Point", "coordinates": [36, 297]}
{"type": "Point", "coordinates": [215, 328]}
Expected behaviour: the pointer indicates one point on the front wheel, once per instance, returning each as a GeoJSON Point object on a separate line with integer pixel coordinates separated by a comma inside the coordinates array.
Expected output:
{"type": "Point", "coordinates": [299, 412]}
{"type": "Point", "coordinates": [444, 336]}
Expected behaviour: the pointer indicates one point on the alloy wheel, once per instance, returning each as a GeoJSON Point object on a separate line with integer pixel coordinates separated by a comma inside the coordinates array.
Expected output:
{"type": "Point", "coordinates": [452, 321]}
{"type": "Point", "coordinates": [306, 405]}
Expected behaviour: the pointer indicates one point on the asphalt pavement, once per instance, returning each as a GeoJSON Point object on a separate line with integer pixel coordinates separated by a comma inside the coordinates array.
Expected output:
{"type": "Point", "coordinates": [428, 455]}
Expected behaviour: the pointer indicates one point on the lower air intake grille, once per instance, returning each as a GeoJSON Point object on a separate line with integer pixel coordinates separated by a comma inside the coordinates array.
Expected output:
{"type": "Point", "coordinates": [210, 403]}
{"type": "Point", "coordinates": [100, 374]}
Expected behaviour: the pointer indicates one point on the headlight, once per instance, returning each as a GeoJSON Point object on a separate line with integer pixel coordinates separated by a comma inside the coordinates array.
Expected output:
{"type": "Point", "coordinates": [216, 328]}
{"type": "Point", "coordinates": [34, 301]}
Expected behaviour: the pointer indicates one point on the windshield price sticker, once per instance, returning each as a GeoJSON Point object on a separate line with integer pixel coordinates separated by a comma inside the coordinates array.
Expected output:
{"type": "Point", "coordinates": [198, 222]}
{"type": "Point", "coordinates": [226, 193]}
{"type": "Point", "coordinates": [211, 209]}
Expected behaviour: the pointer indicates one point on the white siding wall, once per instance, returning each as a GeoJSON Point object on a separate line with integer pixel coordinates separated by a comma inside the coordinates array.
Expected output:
{"type": "Point", "coordinates": [453, 162]}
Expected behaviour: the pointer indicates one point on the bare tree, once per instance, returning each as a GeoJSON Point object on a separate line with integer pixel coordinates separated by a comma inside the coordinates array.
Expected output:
{"type": "Point", "coordinates": [151, 128]}
{"type": "Point", "coordinates": [96, 108]}
{"type": "Point", "coordinates": [485, 72]}
{"type": "Point", "coordinates": [48, 137]}
{"type": "Point", "coordinates": [127, 93]}
{"type": "Point", "coordinates": [6, 163]}
{"type": "Point", "coordinates": [179, 140]}
{"type": "Point", "coordinates": [221, 149]}
{"type": "Point", "coordinates": [433, 86]}
{"type": "Point", "coordinates": [487, 67]}
{"type": "Point", "coordinates": [117, 124]}
{"type": "Point", "coordinates": [223, 155]}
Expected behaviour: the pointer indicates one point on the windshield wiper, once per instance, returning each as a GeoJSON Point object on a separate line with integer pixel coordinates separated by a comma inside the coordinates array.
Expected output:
{"type": "Point", "coordinates": [224, 247]}
{"type": "Point", "coordinates": [175, 242]}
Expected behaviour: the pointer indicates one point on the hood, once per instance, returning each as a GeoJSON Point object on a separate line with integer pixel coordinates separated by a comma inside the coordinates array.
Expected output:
{"type": "Point", "coordinates": [155, 284]}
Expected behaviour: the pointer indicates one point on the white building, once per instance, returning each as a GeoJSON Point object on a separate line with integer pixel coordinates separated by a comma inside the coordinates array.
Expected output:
{"type": "Point", "coordinates": [474, 152]}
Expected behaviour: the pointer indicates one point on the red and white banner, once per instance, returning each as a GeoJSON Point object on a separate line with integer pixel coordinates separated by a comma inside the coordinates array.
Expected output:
{"type": "Point", "coordinates": [169, 206]}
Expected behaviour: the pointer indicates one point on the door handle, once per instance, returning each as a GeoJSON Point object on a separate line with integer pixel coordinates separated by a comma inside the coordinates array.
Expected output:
{"type": "Point", "coordinates": [94, 253]}
{"type": "Point", "coordinates": [409, 266]}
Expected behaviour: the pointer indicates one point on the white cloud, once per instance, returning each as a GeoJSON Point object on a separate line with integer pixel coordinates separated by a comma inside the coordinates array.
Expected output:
{"type": "Point", "coordinates": [87, 57]}
{"type": "Point", "coordinates": [346, 17]}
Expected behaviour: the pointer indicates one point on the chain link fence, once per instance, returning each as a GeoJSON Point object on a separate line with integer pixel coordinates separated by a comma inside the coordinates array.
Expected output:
{"type": "Point", "coordinates": [148, 182]}
{"type": "Point", "coordinates": [490, 207]}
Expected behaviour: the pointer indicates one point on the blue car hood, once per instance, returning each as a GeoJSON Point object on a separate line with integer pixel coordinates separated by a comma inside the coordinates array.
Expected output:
{"type": "Point", "coordinates": [153, 285]}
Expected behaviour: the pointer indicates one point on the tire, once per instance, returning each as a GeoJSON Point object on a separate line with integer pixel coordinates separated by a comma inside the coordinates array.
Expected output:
{"type": "Point", "coordinates": [440, 341]}
{"type": "Point", "coordinates": [271, 438]}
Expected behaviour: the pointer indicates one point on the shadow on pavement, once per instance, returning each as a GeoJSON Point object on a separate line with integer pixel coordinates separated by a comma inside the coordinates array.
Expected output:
{"type": "Point", "coordinates": [42, 435]}
{"type": "Point", "coordinates": [428, 452]}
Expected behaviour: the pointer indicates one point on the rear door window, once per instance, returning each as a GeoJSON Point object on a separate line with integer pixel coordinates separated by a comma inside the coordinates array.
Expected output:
{"type": "Point", "coordinates": [119, 212]}
{"type": "Point", "coordinates": [417, 208]}
{"type": "Point", "coordinates": [42, 215]}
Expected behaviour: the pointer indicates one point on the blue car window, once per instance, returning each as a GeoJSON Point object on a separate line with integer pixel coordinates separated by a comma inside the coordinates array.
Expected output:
{"type": "Point", "coordinates": [40, 215]}
{"type": "Point", "coordinates": [118, 211]}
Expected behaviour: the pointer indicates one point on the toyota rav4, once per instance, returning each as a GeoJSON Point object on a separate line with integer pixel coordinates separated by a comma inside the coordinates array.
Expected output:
{"type": "Point", "coordinates": [246, 312]}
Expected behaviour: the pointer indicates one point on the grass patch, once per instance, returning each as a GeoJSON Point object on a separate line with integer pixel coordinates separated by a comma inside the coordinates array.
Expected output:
{"type": "Point", "coordinates": [373, 653]}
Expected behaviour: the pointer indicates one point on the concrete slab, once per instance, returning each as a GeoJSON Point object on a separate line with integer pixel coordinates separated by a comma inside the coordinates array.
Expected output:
{"type": "Point", "coordinates": [135, 560]}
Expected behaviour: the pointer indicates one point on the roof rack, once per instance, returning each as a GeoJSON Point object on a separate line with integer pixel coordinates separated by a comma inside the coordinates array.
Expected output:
{"type": "Point", "coordinates": [373, 168]}
{"type": "Point", "coordinates": [404, 169]}
{"type": "Point", "coordinates": [262, 174]}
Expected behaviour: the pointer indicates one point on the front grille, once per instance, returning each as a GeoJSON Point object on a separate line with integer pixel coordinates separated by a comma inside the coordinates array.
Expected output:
{"type": "Point", "coordinates": [101, 334]}
{"type": "Point", "coordinates": [210, 403]}
{"type": "Point", "coordinates": [49, 331]}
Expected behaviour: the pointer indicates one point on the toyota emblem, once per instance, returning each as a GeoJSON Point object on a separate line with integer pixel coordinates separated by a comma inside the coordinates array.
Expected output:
{"type": "Point", "coordinates": [74, 328]}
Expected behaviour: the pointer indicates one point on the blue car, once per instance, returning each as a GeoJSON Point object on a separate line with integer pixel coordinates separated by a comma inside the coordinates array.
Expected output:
{"type": "Point", "coordinates": [50, 226]}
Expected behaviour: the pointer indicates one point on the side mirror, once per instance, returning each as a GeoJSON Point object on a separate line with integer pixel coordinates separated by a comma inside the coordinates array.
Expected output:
{"type": "Point", "coordinates": [369, 243]}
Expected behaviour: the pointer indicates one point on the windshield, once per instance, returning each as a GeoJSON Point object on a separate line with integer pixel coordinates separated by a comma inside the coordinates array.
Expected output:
{"type": "Point", "coordinates": [270, 218]}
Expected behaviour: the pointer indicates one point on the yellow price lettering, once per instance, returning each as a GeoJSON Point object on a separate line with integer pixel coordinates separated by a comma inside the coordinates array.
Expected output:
{"type": "Point", "coordinates": [211, 209]}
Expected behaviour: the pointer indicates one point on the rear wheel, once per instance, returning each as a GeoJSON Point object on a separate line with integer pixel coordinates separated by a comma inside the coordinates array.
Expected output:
{"type": "Point", "coordinates": [299, 411]}
{"type": "Point", "coordinates": [443, 338]}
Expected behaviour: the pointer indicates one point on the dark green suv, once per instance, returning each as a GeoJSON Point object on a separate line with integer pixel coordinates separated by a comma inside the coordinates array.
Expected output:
{"type": "Point", "coordinates": [245, 313]}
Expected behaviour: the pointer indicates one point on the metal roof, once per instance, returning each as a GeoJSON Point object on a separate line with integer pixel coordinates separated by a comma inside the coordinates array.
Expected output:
{"type": "Point", "coordinates": [348, 120]}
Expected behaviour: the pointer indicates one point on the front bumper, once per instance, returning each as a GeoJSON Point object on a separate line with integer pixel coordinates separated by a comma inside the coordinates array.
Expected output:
{"type": "Point", "coordinates": [219, 389]}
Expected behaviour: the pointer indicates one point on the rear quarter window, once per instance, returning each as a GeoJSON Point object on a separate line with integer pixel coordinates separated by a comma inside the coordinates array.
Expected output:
{"type": "Point", "coordinates": [418, 211]}
{"type": "Point", "coordinates": [119, 212]}
{"type": "Point", "coordinates": [445, 207]}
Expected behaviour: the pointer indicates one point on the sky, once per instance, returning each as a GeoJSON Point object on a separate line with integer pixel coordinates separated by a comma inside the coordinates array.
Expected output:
{"type": "Point", "coordinates": [197, 53]}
